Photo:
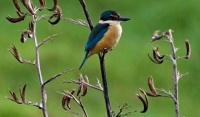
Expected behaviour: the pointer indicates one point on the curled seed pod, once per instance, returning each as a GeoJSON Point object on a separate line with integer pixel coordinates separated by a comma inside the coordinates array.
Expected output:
{"type": "Point", "coordinates": [79, 89]}
{"type": "Point", "coordinates": [80, 85]}
{"type": "Point", "coordinates": [157, 57]}
{"type": "Point", "coordinates": [144, 101]}
{"type": "Point", "coordinates": [29, 6]}
{"type": "Point", "coordinates": [168, 34]}
{"type": "Point", "coordinates": [31, 26]}
{"type": "Point", "coordinates": [152, 87]}
{"type": "Point", "coordinates": [188, 49]}
{"type": "Point", "coordinates": [54, 6]}
{"type": "Point", "coordinates": [152, 59]}
{"type": "Point", "coordinates": [16, 54]}
{"type": "Point", "coordinates": [85, 88]}
{"type": "Point", "coordinates": [157, 54]}
{"type": "Point", "coordinates": [15, 20]}
{"type": "Point", "coordinates": [22, 93]}
{"type": "Point", "coordinates": [25, 35]}
{"type": "Point", "coordinates": [156, 36]}
{"type": "Point", "coordinates": [17, 6]}
{"type": "Point", "coordinates": [42, 4]}
{"type": "Point", "coordinates": [56, 15]}
{"type": "Point", "coordinates": [14, 96]}
{"type": "Point", "coordinates": [66, 99]}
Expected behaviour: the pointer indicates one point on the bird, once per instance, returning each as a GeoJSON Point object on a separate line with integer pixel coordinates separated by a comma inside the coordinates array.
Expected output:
{"type": "Point", "coordinates": [105, 35]}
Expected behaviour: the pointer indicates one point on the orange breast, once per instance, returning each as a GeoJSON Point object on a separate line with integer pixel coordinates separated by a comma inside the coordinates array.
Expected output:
{"type": "Point", "coordinates": [109, 40]}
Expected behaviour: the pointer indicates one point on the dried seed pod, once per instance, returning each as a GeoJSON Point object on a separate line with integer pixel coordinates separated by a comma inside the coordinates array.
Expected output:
{"type": "Point", "coordinates": [156, 36]}
{"type": "Point", "coordinates": [188, 49]}
{"type": "Point", "coordinates": [56, 15]}
{"type": "Point", "coordinates": [79, 89]}
{"type": "Point", "coordinates": [54, 6]}
{"type": "Point", "coordinates": [80, 85]}
{"type": "Point", "coordinates": [15, 20]}
{"type": "Point", "coordinates": [168, 34]}
{"type": "Point", "coordinates": [157, 58]}
{"type": "Point", "coordinates": [144, 101]}
{"type": "Point", "coordinates": [31, 26]}
{"type": "Point", "coordinates": [16, 54]}
{"type": "Point", "coordinates": [152, 59]}
{"type": "Point", "coordinates": [152, 87]}
{"type": "Point", "coordinates": [157, 54]}
{"type": "Point", "coordinates": [15, 99]}
{"type": "Point", "coordinates": [22, 93]}
{"type": "Point", "coordinates": [66, 99]}
{"type": "Point", "coordinates": [17, 6]}
{"type": "Point", "coordinates": [29, 6]}
{"type": "Point", "coordinates": [25, 35]}
{"type": "Point", "coordinates": [85, 88]}
{"type": "Point", "coordinates": [42, 4]}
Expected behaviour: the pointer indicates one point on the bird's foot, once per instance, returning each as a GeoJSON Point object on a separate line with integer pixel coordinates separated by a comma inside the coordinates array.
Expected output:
{"type": "Point", "coordinates": [103, 52]}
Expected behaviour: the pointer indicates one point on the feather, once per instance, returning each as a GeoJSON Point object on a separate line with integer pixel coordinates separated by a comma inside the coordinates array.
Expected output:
{"type": "Point", "coordinates": [96, 35]}
{"type": "Point", "coordinates": [86, 54]}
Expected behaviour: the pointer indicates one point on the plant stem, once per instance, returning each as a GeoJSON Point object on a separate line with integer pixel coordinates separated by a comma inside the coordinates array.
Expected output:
{"type": "Point", "coordinates": [38, 67]}
{"type": "Point", "coordinates": [105, 87]}
{"type": "Point", "coordinates": [176, 74]}
{"type": "Point", "coordinates": [83, 4]}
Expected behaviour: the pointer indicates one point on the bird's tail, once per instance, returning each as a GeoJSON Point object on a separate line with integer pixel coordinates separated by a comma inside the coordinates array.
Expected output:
{"type": "Point", "coordinates": [86, 54]}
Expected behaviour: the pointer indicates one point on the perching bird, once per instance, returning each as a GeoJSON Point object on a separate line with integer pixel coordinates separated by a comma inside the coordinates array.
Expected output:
{"type": "Point", "coordinates": [105, 35]}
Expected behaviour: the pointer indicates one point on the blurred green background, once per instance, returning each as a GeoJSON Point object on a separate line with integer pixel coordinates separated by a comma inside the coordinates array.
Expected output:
{"type": "Point", "coordinates": [127, 66]}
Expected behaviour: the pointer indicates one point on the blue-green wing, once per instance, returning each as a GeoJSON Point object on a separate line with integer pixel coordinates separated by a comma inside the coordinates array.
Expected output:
{"type": "Point", "coordinates": [96, 35]}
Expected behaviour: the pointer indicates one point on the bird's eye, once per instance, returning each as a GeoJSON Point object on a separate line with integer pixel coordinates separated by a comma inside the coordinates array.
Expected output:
{"type": "Point", "coordinates": [114, 17]}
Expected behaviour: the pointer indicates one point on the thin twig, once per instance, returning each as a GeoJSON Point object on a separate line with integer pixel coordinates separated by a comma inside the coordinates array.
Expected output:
{"type": "Point", "coordinates": [26, 103]}
{"type": "Point", "coordinates": [89, 85]}
{"type": "Point", "coordinates": [78, 22]}
{"type": "Point", "coordinates": [57, 75]}
{"type": "Point", "coordinates": [167, 94]}
{"type": "Point", "coordinates": [49, 38]}
{"type": "Point", "coordinates": [83, 108]}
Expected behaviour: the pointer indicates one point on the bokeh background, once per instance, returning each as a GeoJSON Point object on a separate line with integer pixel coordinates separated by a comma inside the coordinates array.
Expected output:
{"type": "Point", "coordinates": [127, 66]}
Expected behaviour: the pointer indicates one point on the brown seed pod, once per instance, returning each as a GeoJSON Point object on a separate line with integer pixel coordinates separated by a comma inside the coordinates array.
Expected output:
{"type": "Point", "coordinates": [188, 49]}
{"type": "Point", "coordinates": [56, 15]}
{"type": "Point", "coordinates": [17, 6]}
{"type": "Point", "coordinates": [42, 4]}
{"type": "Point", "coordinates": [54, 6]}
{"type": "Point", "coordinates": [15, 20]}
{"type": "Point", "coordinates": [22, 93]}
{"type": "Point", "coordinates": [144, 101]}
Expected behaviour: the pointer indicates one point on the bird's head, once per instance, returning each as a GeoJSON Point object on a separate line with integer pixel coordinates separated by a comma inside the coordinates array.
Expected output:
{"type": "Point", "coordinates": [111, 15]}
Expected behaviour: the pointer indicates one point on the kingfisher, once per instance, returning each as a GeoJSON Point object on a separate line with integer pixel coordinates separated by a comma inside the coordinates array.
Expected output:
{"type": "Point", "coordinates": [105, 35]}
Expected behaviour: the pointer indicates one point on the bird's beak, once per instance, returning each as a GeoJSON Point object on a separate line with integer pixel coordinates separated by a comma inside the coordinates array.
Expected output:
{"type": "Point", "coordinates": [123, 19]}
